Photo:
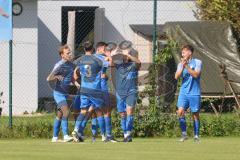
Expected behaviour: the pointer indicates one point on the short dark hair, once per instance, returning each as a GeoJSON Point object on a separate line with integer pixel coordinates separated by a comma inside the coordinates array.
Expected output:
{"type": "Point", "coordinates": [61, 48]}
{"type": "Point", "coordinates": [111, 46]}
{"type": "Point", "coordinates": [88, 46]}
{"type": "Point", "coordinates": [188, 47]}
{"type": "Point", "coordinates": [125, 45]}
{"type": "Point", "coordinates": [101, 44]}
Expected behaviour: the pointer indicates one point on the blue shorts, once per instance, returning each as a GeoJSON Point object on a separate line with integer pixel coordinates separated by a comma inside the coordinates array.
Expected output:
{"type": "Point", "coordinates": [76, 102]}
{"type": "Point", "coordinates": [87, 101]}
{"type": "Point", "coordinates": [60, 99]}
{"type": "Point", "coordinates": [129, 100]}
{"type": "Point", "coordinates": [185, 101]}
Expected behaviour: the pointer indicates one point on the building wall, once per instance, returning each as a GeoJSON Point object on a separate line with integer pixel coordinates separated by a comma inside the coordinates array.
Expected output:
{"type": "Point", "coordinates": [118, 16]}
{"type": "Point", "coordinates": [25, 71]}
{"type": "Point", "coordinates": [144, 45]}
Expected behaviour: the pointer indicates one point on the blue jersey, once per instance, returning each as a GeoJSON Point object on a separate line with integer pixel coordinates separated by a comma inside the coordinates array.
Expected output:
{"type": "Point", "coordinates": [190, 85]}
{"type": "Point", "coordinates": [64, 69]}
{"type": "Point", "coordinates": [90, 69]}
{"type": "Point", "coordinates": [126, 78]}
{"type": "Point", "coordinates": [102, 58]}
{"type": "Point", "coordinates": [104, 84]}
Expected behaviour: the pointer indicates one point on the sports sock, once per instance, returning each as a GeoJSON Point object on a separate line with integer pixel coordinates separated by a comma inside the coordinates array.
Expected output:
{"type": "Point", "coordinates": [196, 125]}
{"type": "Point", "coordinates": [123, 124]}
{"type": "Point", "coordinates": [101, 124]}
{"type": "Point", "coordinates": [56, 127]}
{"type": "Point", "coordinates": [94, 126]}
{"type": "Point", "coordinates": [78, 122]}
{"type": "Point", "coordinates": [108, 126]}
{"type": "Point", "coordinates": [83, 124]}
{"type": "Point", "coordinates": [182, 122]}
{"type": "Point", "coordinates": [64, 126]}
{"type": "Point", "coordinates": [129, 124]}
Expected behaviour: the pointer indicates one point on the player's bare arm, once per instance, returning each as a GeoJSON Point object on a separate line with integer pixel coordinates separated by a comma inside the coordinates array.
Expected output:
{"type": "Point", "coordinates": [75, 74]}
{"type": "Point", "coordinates": [52, 77]}
{"type": "Point", "coordinates": [179, 72]}
{"type": "Point", "coordinates": [134, 59]}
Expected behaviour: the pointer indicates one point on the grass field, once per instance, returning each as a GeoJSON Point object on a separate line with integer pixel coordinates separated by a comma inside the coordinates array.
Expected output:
{"type": "Point", "coordinates": [227, 148]}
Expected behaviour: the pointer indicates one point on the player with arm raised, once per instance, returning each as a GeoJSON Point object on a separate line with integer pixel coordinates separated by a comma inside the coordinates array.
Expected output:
{"type": "Point", "coordinates": [126, 86]}
{"type": "Point", "coordinates": [102, 54]}
{"type": "Point", "coordinates": [189, 69]}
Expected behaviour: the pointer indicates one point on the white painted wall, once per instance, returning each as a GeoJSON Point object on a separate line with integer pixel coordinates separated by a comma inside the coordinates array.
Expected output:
{"type": "Point", "coordinates": [37, 35]}
{"type": "Point", "coordinates": [25, 72]}
{"type": "Point", "coordinates": [119, 15]}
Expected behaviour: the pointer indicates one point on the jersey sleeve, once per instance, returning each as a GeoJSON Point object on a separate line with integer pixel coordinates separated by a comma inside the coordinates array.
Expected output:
{"type": "Point", "coordinates": [179, 67]}
{"type": "Point", "coordinates": [198, 66]}
{"type": "Point", "coordinates": [106, 63]}
{"type": "Point", "coordinates": [77, 61]}
{"type": "Point", "coordinates": [56, 69]}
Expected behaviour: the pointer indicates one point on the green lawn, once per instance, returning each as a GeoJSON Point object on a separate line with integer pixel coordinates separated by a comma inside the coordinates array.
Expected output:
{"type": "Point", "coordinates": [227, 148]}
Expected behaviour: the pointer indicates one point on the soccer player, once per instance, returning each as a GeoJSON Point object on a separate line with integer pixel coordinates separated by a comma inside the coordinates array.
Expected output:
{"type": "Point", "coordinates": [189, 69]}
{"type": "Point", "coordinates": [91, 95]}
{"type": "Point", "coordinates": [126, 87]}
{"type": "Point", "coordinates": [62, 73]}
{"type": "Point", "coordinates": [77, 104]}
{"type": "Point", "coordinates": [101, 50]}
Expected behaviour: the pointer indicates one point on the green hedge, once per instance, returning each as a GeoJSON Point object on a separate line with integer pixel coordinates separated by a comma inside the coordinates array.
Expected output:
{"type": "Point", "coordinates": [146, 125]}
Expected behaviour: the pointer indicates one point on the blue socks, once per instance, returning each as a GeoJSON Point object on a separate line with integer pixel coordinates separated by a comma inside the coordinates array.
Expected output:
{"type": "Point", "coordinates": [94, 126]}
{"type": "Point", "coordinates": [108, 126]}
{"type": "Point", "coordinates": [196, 125]}
{"type": "Point", "coordinates": [182, 122]}
{"type": "Point", "coordinates": [129, 124]}
{"type": "Point", "coordinates": [123, 124]}
{"type": "Point", "coordinates": [56, 127]}
{"type": "Point", "coordinates": [65, 126]}
{"type": "Point", "coordinates": [78, 122]}
{"type": "Point", "coordinates": [83, 124]}
{"type": "Point", "coordinates": [101, 124]}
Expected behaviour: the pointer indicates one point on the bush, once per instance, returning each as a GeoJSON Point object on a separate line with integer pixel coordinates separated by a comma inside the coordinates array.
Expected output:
{"type": "Point", "coordinates": [146, 124]}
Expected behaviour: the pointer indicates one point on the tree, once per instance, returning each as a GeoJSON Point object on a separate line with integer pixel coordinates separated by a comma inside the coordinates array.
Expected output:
{"type": "Point", "coordinates": [221, 10]}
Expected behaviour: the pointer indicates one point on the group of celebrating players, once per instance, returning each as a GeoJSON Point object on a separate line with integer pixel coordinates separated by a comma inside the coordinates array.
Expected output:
{"type": "Point", "coordinates": [89, 74]}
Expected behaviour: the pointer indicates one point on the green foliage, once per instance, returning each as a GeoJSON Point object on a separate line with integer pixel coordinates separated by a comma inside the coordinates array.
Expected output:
{"type": "Point", "coordinates": [220, 126]}
{"type": "Point", "coordinates": [156, 70]}
{"type": "Point", "coordinates": [23, 127]}
{"type": "Point", "coordinates": [155, 124]}
{"type": "Point", "coordinates": [146, 124]}
{"type": "Point", "coordinates": [220, 10]}
{"type": "Point", "coordinates": [165, 54]}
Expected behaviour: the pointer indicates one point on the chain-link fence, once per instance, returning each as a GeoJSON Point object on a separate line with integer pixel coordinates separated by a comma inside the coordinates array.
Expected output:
{"type": "Point", "coordinates": [44, 25]}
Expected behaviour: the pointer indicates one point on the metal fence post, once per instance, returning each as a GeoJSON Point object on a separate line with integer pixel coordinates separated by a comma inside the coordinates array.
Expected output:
{"type": "Point", "coordinates": [10, 84]}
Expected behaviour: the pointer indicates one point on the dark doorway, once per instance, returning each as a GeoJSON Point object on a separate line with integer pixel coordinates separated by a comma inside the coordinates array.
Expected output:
{"type": "Point", "coordinates": [84, 29]}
